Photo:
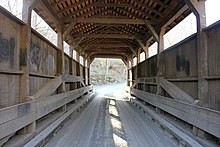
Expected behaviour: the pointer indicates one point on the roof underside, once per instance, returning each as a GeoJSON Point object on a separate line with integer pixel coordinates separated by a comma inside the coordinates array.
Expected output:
{"type": "Point", "coordinates": [109, 27]}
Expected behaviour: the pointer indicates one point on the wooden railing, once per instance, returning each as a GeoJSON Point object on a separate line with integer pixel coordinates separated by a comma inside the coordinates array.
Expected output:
{"type": "Point", "coordinates": [203, 118]}
{"type": "Point", "coordinates": [15, 117]}
{"type": "Point", "coordinates": [173, 90]}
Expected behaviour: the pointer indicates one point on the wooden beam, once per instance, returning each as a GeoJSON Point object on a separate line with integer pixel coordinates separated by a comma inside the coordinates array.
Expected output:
{"type": "Point", "coordinates": [142, 45]}
{"type": "Point", "coordinates": [49, 88]}
{"type": "Point", "coordinates": [46, 6]}
{"type": "Point", "coordinates": [198, 8]}
{"type": "Point", "coordinates": [96, 5]}
{"type": "Point", "coordinates": [25, 47]}
{"type": "Point", "coordinates": [148, 43]}
{"type": "Point", "coordinates": [109, 45]}
{"type": "Point", "coordinates": [133, 51]}
{"type": "Point", "coordinates": [148, 8]}
{"type": "Point", "coordinates": [123, 58]}
{"type": "Point", "coordinates": [30, 4]}
{"type": "Point", "coordinates": [112, 4]}
{"type": "Point", "coordinates": [163, 4]}
{"type": "Point", "coordinates": [173, 13]}
{"type": "Point", "coordinates": [108, 36]}
{"type": "Point", "coordinates": [108, 56]}
{"type": "Point", "coordinates": [60, 58]}
{"type": "Point", "coordinates": [63, 1]}
{"type": "Point", "coordinates": [125, 61]}
{"type": "Point", "coordinates": [177, 15]}
{"type": "Point", "coordinates": [153, 19]}
{"type": "Point", "coordinates": [70, 78]}
{"type": "Point", "coordinates": [203, 118]}
{"type": "Point", "coordinates": [160, 64]}
{"type": "Point", "coordinates": [76, 43]}
{"type": "Point", "coordinates": [26, 113]}
{"type": "Point", "coordinates": [26, 10]}
{"type": "Point", "coordinates": [44, 134]}
{"type": "Point", "coordinates": [69, 28]}
{"type": "Point", "coordinates": [91, 60]}
{"type": "Point", "coordinates": [108, 53]}
{"type": "Point", "coordinates": [94, 41]}
{"type": "Point", "coordinates": [81, 9]}
{"type": "Point", "coordinates": [132, 43]}
{"type": "Point", "coordinates": [110, 21]}
{"type": "Point", "coordinates": [175, 91]}
{"type": "Point", "coordinates": [69, 17]}
{"type": "Point", "coordinates": [111, 56]}
{"type": "Point", "coordinates": [151, 29]}
{"type": "Point", "coordinates": [109, 50]}
{"type": "Point", "coordinates": [184, 139]}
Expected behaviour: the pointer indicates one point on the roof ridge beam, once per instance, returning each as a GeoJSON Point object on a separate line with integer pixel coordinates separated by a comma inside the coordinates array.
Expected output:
{"type": "Point", "coordinates": [110, 21]}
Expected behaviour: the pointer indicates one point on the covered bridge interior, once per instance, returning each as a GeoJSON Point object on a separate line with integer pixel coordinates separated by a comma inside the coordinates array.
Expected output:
{"type": "Point", "coordinates": [42, 87]}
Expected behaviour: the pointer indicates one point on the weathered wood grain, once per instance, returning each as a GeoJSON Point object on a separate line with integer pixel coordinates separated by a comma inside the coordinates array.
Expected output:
{"type": "Point", "coordinates": [203, 118]}
{"type": "Point", "coordinates": [25, 113]}
{"type": "Point", "coordinates": [49, 88]}
{"type": "Point", "coordinates": [40, 138]}
{"type": "Point", "coordinates": [181, 136]}
{"type": "Point", "coordinates": [175, 91]}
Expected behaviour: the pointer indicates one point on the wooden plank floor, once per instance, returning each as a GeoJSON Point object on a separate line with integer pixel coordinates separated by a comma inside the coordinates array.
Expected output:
{"type": "Point", "coordinates": [140, 130]}
{"type": "Point", "coordinates": [109, 121]}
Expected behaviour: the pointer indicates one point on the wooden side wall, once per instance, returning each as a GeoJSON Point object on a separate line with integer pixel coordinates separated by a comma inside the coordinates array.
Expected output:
{"type": "Point", "coordinates": [43, 61]}
{"type": "Point", "coordinates": [179, 65]}
{"type": "Point", "coordinates": [213, 36]}
{"type": "Point", "coordinates": [9, 61]}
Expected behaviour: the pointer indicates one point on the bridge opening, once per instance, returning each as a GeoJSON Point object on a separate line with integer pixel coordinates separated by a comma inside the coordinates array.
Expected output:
{"type": "Point", "coordinates": [107, 71]}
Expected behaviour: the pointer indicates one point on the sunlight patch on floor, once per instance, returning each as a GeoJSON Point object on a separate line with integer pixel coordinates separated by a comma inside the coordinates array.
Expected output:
{"type": "Point", "coordinates": [113, 111]}
{"type": "Point", "coordinates": [112, 103]}
{"type": "Point", "coordinates": [118, 132]}
{"type": "Point", "coordinates": [119, 142]}
{"type": "Point", "coordinates": [116, 124]}
{"type": "Point", "coordinates": [116, 98]}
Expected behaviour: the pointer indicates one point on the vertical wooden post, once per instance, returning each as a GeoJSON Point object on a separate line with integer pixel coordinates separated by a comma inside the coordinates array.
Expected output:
{"type": "Point", "coordinates": [128, 74]}
{"type": "Point", "coordinates": [78, 73]}
{"type": "Point", "coordinates": [61, 61]}
{"type": "Point", "coordinates": [87, 73]}
{"type": "Point", "coordinates": [138, 55]}
{"type": "Point", "coordinates": [147, 49]}
{"type": "Point", "coordinates": [160, 40]}
{"type": "Point", "coordinates": [160, 48]}
{"type": "Point", "coordinates": [198, 8]}
{"type": "Point", "coordinates": [202, 58]}
{"type": "Point", "coordinates": [84, 71]}
{"type": "Point", "coordinates": [25, 60]}
{"type": "Point", "coordinates": [88, 65]}
{"type": "Point", "coordinates": [132, 74]}
{"type": "Point", "coordinates": [72, 85]}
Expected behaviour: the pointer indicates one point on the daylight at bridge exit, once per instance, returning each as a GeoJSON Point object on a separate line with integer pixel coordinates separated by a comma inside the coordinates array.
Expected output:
{"type": "Point", "coordinates": [109, 73]}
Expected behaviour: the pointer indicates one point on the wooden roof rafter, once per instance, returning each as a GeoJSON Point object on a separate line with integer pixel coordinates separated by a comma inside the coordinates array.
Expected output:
{"type": "Point", "coordinates": [116, 22]}
{"type": "Point", "coordinates": [132, 43]}
{"type": "Point", "coordinates": [99, 4]}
